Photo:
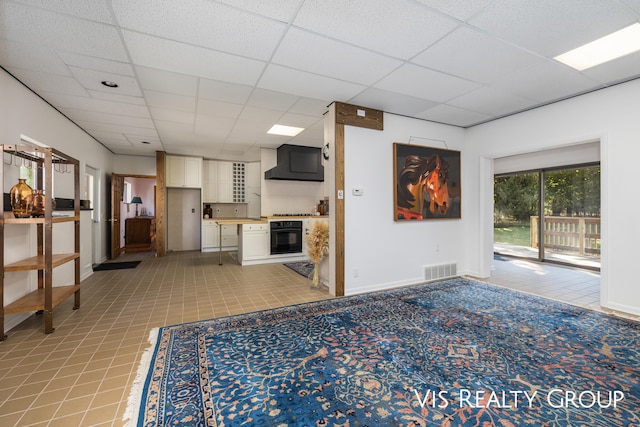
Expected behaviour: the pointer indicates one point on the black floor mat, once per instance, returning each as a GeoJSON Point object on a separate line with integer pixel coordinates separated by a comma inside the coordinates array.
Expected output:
{"type": "Point", "coordinates": [116, 265]}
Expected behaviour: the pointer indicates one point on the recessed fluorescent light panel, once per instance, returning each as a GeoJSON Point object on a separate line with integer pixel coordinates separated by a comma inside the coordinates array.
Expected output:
{"type": "Point", "coordinates": [285, 130]}
{"type": "Point", "coordinates": [607, 48]}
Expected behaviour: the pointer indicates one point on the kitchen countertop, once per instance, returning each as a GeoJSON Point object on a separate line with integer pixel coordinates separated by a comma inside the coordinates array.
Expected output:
{"type": "Point", "coordinates": [237, 221]}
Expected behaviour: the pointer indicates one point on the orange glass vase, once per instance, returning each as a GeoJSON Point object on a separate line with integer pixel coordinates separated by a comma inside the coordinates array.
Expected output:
{"type": "Point", "coordinates": [21, 199]}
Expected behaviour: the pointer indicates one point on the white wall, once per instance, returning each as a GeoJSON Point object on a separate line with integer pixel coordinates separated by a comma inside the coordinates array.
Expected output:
{"type": "Point", "coordinates": [610, 116]}
{"type": "Point", "coordinates": [383, 253]}
{"type": "Point", "coordinates": [134, 165]}
{"type": "Point", "coordinates": [22, 112]}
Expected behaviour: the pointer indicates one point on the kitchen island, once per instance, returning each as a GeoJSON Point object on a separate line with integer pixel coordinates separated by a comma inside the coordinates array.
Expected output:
{"type": "Point", "coordinates": [238, 222]}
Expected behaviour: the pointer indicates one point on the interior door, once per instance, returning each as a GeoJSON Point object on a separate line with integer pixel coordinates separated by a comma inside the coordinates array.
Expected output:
{"type": "Point", "coordinates": [117, 188]}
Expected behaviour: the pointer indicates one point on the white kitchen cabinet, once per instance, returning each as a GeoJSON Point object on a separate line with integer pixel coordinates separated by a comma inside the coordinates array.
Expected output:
{"type": "Point", "coordinates": [210, 181]}
{"type": "Point", "coordinates": [183, 172]}
{"type": "Point", "coordinates": [225, 182]}
{"type": "Point", "coordinates": [229, 236]}
{"type": "Point", "coordinates": [210, 238]}
{"type": "Point", "coordinates": [254, 242]}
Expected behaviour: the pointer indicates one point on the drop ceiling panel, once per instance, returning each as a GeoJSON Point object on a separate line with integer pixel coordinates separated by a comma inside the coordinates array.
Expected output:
{"type": "Point", "coordinates": [444, 113]}
{"type": "Point", "coordinates": [282, 79]}
{"type": "Point", "coordinates": [120, 120]}
{"type": "Point", "coordinates": [208, 107]}
{"type": "Point", "coordinates": [258, 119]}
{"type": "Point", "coordinates": [154, 52]}
{"type": "Point", "coordinates": [461, 10]}
{"type": "Point", "coordinates": [551, 27]}
{"type": "Point", "coordinates": [169, 127]}
{"type": "Point", "coordinates": [39, 27]}
{"type": "Point", "coordinates": [202, 23]}
{"type": "Point", "coordinates": [224, 91]}
{"type": "Point", "coordinates": [392, 102]}
{"type": "Point", "coordinates": [216, 127]}
{"type": "Point", "coordinates": [29, 57]}
{"type": "Point", "coordinates": [621, 69]}
{"type": "Point", "coordinates": [94, 10]}
{"type": "Point", "coordinates": [271, 100]}
{"type": "Point", "coordinates": [492, 101]}
{"type": "Point", "coordinates": [136, 100]}
{"type": "Point", "coordinates": [547, 81]}
{"type": "Point", "coordinates": [298, 120]}
{"type": "Point", "coordinates": [166, 81]}
{"type": "Point", "coordinates": [45, 82]}
{"type": "Point", "coordinates": [98, 64]}
{"type": "Point", "coordinates": [91, 80]}
{"type": "Point", "coordinates": [171, 115]}
{"type": "Point", "coordinates": [98, 105]}
{"type": "Point", "coordinates": [170, 100]}
{"type": "Point", "coordinates": [310, 107]}
{"type": "Point", "coordinates": [423, 83]}
{"type": "Point", "coordinates": [115, 128]}
{"type": "Point", "coordinates": [400, 29]}
{"type": "Point", "coordinates": [305, 51]}
{"type": "Point", "coordinates": [283, 10]}
{"type": "Point", "coordinates": [478, 56]}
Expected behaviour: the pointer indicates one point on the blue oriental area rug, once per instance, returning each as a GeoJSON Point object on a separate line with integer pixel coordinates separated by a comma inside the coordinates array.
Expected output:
{"type": "Point", "coordinates": [452, 353]}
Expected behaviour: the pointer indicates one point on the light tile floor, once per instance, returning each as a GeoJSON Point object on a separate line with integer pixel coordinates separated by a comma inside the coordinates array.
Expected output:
{"type": "Point", "coordinates": [570, 285]}
{"type": "Point", "coordinates": [81, 374]}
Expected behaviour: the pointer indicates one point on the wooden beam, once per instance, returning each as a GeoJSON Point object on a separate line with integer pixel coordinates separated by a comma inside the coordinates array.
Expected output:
{"type": "Point", "coordinates": [339, 203]}
{"type": "Point", "coordinates": [161, 228]}
{"type": "Point", "coordinates": [354, 115]}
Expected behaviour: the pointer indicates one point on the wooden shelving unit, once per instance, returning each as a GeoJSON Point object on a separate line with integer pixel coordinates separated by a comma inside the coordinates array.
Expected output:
{"type": "Point", "coordinates": [46, 297]}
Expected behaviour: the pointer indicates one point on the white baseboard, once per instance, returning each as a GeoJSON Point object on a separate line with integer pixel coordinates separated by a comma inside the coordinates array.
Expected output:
{"type": "Point", "coordinates": [13, 320]}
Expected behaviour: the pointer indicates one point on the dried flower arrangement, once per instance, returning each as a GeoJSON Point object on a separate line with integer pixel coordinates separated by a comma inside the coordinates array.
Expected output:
{"type": "Point", "coordinates": [317, 247]}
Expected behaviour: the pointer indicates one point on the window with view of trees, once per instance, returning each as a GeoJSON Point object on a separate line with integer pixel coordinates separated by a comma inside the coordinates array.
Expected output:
{"type": "Point", "coordinates": [570, 223]}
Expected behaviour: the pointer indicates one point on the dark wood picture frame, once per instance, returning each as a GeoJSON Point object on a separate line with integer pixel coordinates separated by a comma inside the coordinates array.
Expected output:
{"type": "Point", "coordinates": [426, 183]}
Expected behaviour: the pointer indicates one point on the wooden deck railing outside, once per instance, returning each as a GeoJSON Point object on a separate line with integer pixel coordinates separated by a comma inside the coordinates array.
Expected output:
{"type": "Point", "coordinates": [571, 234]}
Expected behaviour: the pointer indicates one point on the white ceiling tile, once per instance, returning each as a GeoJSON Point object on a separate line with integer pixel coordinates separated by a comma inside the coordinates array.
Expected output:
{"type": "Point", "coordinates": [99, 105]}
{"type": "Point", "coordinates": [215, 127]}
{"type": "Point", "coordinates": [223, 91]}
{"type": "Point", "coordinates": [208, 107]}
{"type": "Point", "coordinates": [91, 80]}
{"type": "Point", "coordinates": [202, 23]}
{"type": "Point", "coordinates": [283, 10]}
{"type": "Point", "coordinates": [392, 102]}
{"type": "Point", "coordinates": [114, 119]}
{"type": "Point", "coordinates": [40, 27]}
{"type": "Point", "coordinates": [298, 120]}
{"type": "Point", "coordinates": [621, 69]}
{"type": "Point", "coordinates": [478, 56]}
{"type": "Point", "coordinates": [92, 126]}
{"type": "Point", "coordinates": [170, 101]}
{"type": "Point", "coordinates": [492, 101]}
{"type": "Point", "coordinates": [111, 136]}
{"type": "Point", "coordinates": [271, 100]}
{"type": "Point", "coordinates": [167, 81]}
{"type": "Point", "coordinates": [92, 63]}
{"type": "Point", "coordinates": [547, 81]}
{"type": "Point", "coordinates": [633, 4]}
{"type": "Point", "coordinates": [30, 57]}
{"type": "Point", "coordinates": [282, 79]}
{"type": "Point", "coordinates": [448, 114]}
{"type": "Point", "coordinates": [551, 27]}
{"type": "Point", "coordinates": [136, 100]}
{"type": "Point", "coordinates": [461, 10]}
{"type": "Point", "coordinates": [137, 140]}
{"type": "Point", "coordinates": [95, 10]}
{"type": "Point", "coordinates": [310, 107]}
{"type": "Point", "coordinates": [258, 119]}
{"type": "Point", "coordinates": [169, 115]}
{"type": "Point", "coordinates": [305, 51]}
{"type": "Point", "coordinates": [45, 82]}
{"type": "Point", "coordinates": [164, 126]}
{"type": "Point", "coordinates": [154, 52]}
{"type": "Point", "coordinates": [420, 82]}
{"type": "Point", "coordinates": [400, 29]}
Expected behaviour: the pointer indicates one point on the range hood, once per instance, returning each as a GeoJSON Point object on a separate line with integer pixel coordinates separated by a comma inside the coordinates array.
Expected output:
{"type": "Point", "coordinates": [297, 163]}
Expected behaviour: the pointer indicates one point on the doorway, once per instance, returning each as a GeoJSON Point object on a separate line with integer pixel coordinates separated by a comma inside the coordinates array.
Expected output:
{"type": "Point", "coordinates": [550, 215]}
{"type": "Point", "coordinates": [92, 193]}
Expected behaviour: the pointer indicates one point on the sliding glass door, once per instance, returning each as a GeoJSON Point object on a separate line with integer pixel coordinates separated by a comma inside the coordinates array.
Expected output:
{"type": "Point", "coordinates": [569, 226]}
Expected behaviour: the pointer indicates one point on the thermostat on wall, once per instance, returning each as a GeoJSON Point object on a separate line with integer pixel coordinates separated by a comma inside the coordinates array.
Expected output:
{"type": "Point", "coordinates": [357, 191]}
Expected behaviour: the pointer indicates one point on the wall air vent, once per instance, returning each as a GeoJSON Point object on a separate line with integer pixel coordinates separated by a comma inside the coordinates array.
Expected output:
{"type": "Point", "coordinates": [442, 271]}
